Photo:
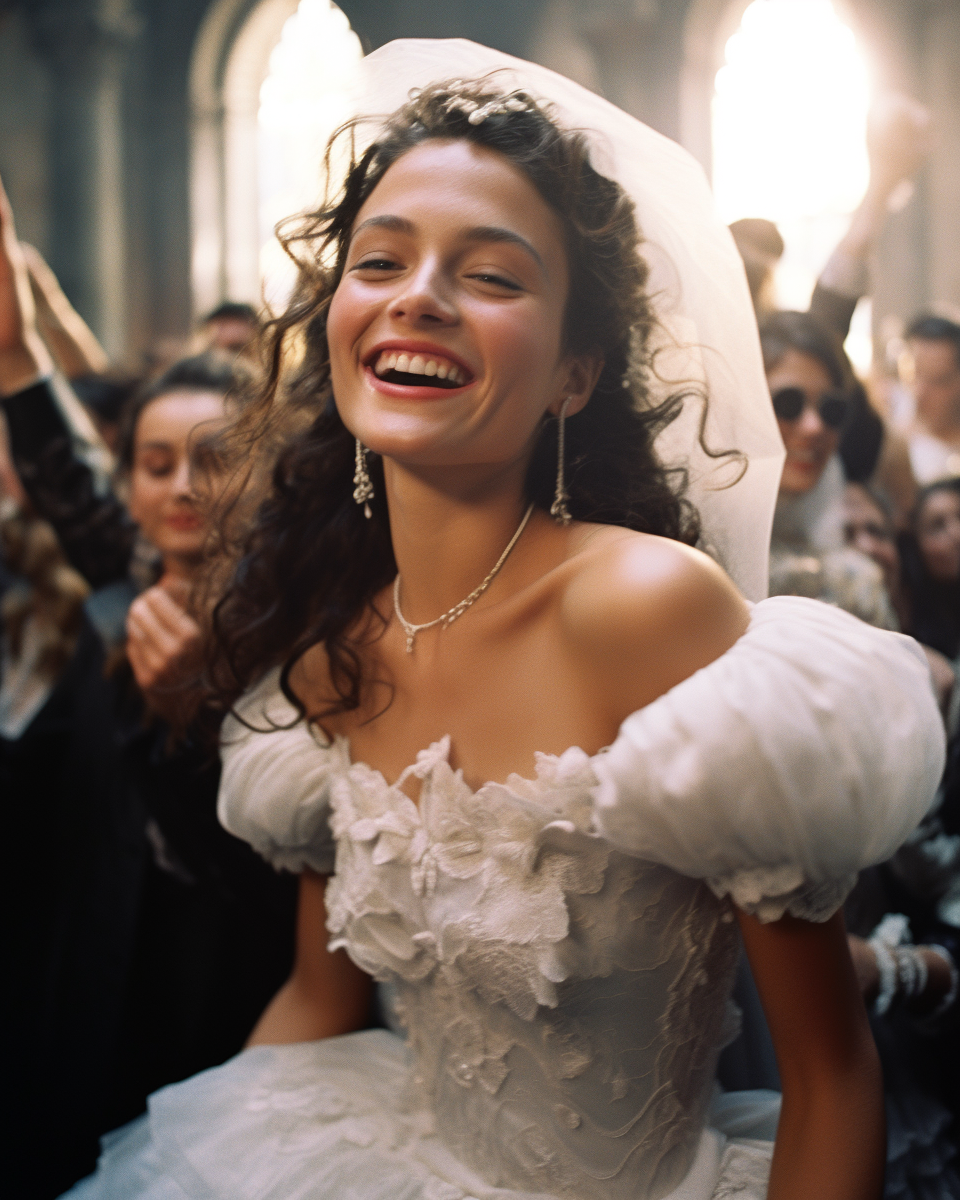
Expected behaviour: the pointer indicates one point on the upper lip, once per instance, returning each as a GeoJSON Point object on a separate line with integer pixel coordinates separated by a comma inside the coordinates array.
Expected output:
{"type": "Point", "coordinates": [410, 346]}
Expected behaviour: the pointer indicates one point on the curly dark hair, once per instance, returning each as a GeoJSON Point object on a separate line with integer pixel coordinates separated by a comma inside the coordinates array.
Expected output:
{"type": "Point", "coordinates": [308, 564]}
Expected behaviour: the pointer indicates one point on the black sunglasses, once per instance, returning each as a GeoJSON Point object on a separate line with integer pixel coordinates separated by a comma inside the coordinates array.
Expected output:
{"type": "Point", "coordinates": [833, 407]}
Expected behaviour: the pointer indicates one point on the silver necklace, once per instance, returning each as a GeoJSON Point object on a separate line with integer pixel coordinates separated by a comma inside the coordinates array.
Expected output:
{"type": "Point", "coordinates": [458, 610]}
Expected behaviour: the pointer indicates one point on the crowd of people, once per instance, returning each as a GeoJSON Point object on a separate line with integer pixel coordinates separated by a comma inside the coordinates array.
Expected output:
{"type": "Point", "coordinates": [152, 940]}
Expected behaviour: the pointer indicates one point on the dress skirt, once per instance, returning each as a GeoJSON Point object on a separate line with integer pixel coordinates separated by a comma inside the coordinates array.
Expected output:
{"type": "Point", "coordinates": [340, 1119]}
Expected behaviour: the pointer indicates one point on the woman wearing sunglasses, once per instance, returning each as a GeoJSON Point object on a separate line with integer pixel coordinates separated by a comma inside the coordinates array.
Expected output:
{"type": "Point", "coordinates": [811, 388]}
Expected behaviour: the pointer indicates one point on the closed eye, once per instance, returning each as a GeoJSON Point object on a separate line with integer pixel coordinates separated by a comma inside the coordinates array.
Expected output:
{"type": "Point", "coordinates": [376, 264]}
{"type": "Point", "coordinates": [498, 280]}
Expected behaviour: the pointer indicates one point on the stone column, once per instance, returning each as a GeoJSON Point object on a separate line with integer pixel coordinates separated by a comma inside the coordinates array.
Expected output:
{"type": "Point", "coordinates": [86, 43]}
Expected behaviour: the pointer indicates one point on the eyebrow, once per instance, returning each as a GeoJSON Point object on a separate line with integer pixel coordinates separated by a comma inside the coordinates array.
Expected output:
{"type": "Point", "coordinates": [479, 233]}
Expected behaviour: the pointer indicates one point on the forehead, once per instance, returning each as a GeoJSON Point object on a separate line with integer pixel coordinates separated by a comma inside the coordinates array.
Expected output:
{"type": "Point", "coordinates": [444, 185]}
{"type": "Point", "coordinates": [798, 367]}
{"type": "Point", "coordinates": [172, 416]}
{"type": "Point", "coordinates": [934, 355]}
{"type": "Point", "coordinates": [942, 502]}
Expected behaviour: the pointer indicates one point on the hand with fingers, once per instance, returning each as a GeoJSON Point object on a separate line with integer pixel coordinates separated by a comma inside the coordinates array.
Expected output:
{"type": "Point", "coordinates": [163, 645]}
{"type": "Point", "coordinates": [23, 355]}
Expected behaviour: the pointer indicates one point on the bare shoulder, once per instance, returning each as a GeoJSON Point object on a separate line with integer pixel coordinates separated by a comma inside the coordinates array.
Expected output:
{"type": "Point", "coordinates": [646, 612]}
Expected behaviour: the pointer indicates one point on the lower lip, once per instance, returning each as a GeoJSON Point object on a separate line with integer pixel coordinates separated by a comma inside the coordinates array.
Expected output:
{"type": "Point", "coordinates": [412, 393]}
{"type": "Point", "coordinates": [805, 465]}
{"type": "Point", "coordinates": [184, 524]}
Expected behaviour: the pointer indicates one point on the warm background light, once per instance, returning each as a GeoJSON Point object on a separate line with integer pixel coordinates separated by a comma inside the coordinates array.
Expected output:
{"type": "Point", "coordinates": [789, 138]}
{"type": "Point", "coordinates": [302, 101]}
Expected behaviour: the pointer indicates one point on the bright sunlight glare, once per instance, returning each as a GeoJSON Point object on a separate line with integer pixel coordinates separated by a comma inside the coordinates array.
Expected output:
{"type": "Point", "coordinates": [302, 101]}
{"type": "Point", "coordinates": [789, 133]}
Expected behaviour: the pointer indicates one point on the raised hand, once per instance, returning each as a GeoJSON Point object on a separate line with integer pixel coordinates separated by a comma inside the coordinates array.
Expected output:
{"type": "Point", "coordinates": [900, 135]}
{"type": "Point", "coordinates": [23, 356]}
{"type": "Point", "coordinates": [163, 645]}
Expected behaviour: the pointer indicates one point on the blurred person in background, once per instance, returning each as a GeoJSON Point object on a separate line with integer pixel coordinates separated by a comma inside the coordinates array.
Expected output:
{"type": "Point", "coordinates": [810, 384]}
{"type": "Point", "coordinates": [105, 396]}
{"type": "Point", "coordinates": [231, 328]}
{"type": "Point", "coordinates": [931, 560]}
{"type": "Point", "coordinates": [760, 245]}
{"type": "Point", "coordinates": [868, 526]}
{"type": "Point", "coordinates": [932, 369]}
{"type": "Point", "coordinates": [166, 935]}
{"type": "Point", "coordinates": [899, 137]}
{"type": "Point", "coordinates": [907, 911]}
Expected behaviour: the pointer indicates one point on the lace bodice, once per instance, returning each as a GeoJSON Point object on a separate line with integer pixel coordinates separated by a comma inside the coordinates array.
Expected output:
{"type": "Point", "coordinates": [562, 948]}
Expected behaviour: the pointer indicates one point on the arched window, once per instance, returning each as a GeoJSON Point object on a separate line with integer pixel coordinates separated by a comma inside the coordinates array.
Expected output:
{"type": "Point", "coordinates": [268, 81]}
{"type": "Point", "coordinates": [789, 122]}
{"type": "Point", "coordinates": [302, 101]}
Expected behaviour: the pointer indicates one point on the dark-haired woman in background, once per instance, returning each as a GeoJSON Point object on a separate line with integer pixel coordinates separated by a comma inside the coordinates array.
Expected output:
{"type": "Point", "coordinates": [931, 566]}
{"type": "Point", "coordinates": [811, 386]}
{"type": "Point", "coordinates": [169, 935]}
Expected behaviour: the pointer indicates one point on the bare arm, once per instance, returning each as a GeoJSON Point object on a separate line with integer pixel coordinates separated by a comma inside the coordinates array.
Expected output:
{"type": "Point", "coordinates": [831, 1137]}
{"type": "Point", "coordinates": [326, 994]}
{"type": "Point", "coordinates": [899, 137]}
{"type": "Point", "coordinates": [70, 338]}
{"type": "Point", "coordinates": [23, 356]}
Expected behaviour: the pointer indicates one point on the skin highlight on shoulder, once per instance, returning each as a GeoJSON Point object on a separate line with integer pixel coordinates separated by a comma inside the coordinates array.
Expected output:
{"type": "Point", "coordinates": [645, 612]}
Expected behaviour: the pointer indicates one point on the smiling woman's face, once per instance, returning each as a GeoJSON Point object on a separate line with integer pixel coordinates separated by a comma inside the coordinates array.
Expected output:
{"type": "Point", "coordinates": [162, 499]}
{"type": "Point", "coordinates": [808, 440]}
{"type": "Point", "coordinates": [446, 329]}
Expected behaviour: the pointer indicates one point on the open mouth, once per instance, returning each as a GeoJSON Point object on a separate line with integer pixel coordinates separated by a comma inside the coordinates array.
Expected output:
{"type": "Point", "coordinates": [419, 370]}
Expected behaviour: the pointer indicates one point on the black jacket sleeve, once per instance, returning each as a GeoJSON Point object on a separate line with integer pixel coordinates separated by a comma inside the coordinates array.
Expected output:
{"type": "Point", "coordinates": [833, 310]}
{"type": "Point", "coordinates": [95, 531]}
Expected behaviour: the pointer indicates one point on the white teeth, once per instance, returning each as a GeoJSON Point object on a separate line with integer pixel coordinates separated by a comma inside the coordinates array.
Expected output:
{"type": "Point", "coordinates": [418, 364]}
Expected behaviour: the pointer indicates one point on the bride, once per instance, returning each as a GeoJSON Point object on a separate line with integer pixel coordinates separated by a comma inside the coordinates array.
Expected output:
{"type": "Point", "coordinates": [476, 565]}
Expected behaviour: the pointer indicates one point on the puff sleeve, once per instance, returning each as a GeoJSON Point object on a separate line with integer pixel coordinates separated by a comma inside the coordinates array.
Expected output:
{"type": "Point", "coordinates": [807, 752]}
{"type": "Point", "coordinates": [274, 788]}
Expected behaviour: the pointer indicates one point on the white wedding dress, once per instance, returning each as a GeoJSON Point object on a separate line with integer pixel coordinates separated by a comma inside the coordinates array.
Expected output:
{"type": "Point", "coordinates": [560, 949]}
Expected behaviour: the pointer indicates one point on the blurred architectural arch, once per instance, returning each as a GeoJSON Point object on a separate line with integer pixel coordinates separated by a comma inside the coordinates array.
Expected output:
{"type": "Point", "coordinates": [230, 61]}
{"type": "Point", "coordinates": [232, 210]}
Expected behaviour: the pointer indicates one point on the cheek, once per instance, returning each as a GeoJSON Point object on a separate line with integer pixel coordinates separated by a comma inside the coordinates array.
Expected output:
{"type": "Point", "coordinates": [347, 319]}
{"type": "Point", "coordinates": [147, 497]}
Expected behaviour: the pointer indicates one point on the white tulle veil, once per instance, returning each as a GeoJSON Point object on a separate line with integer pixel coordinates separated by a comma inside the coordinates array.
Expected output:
{"type": "Point", "coordinates": [697, 284]}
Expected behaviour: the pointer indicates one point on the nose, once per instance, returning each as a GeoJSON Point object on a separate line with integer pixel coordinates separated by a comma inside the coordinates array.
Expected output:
{"type": "Point", "coordinates": [863, 542]}
{"type": "Point", "coordinates": [810, 425]}
{"type": "Point", "coordinates": [182, 482]}
{"type": "Point", "coordinates": [425, 299]}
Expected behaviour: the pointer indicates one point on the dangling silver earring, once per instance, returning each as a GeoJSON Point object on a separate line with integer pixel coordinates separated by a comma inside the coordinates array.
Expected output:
{"type": "Point", "coordinates": [558, 509]}
{"type": "Point", "coordinates": [363, 491]}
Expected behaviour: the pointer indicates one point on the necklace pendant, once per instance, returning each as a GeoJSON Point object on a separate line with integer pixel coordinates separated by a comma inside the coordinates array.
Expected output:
{"type": "Point", "coordinates": [410, 637]}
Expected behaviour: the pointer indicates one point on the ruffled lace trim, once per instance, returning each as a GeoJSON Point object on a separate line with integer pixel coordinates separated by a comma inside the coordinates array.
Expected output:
{"type": "Point", "coordinates": [521, 849]}
{"type": "Point", "coordinates": [769, 892]}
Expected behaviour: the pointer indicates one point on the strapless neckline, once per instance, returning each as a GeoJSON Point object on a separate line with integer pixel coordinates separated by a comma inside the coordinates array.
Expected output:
{"type": "Point", "coordinates": [438, 752]}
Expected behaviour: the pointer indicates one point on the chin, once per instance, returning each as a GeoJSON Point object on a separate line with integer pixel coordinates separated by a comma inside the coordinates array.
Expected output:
{"type": "Point", "coordinates": [187, 546]}
{"type": "Point", "coordinates": [797, 482]}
